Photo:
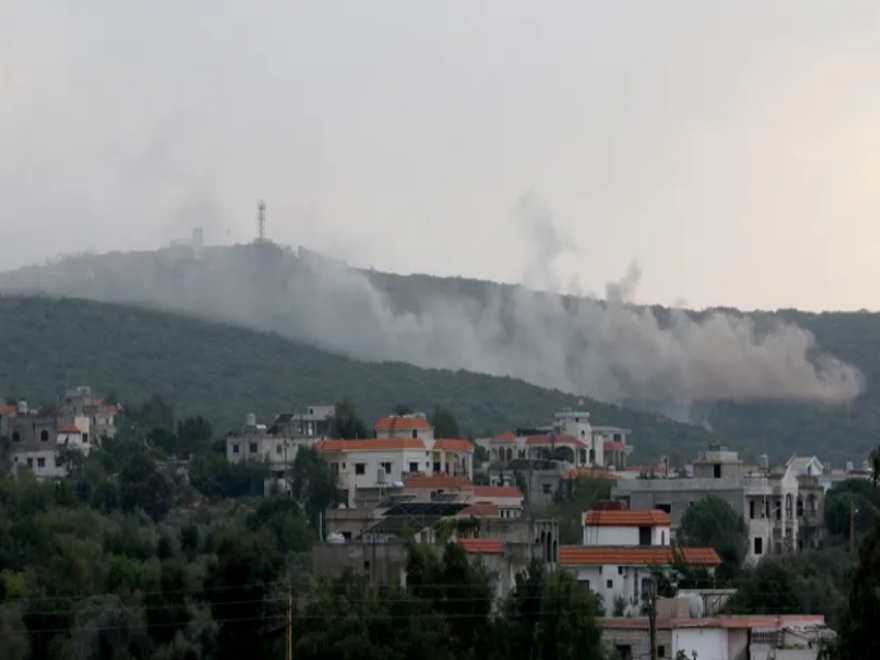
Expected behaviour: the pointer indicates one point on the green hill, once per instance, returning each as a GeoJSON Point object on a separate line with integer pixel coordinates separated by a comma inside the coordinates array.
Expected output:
{"type": "Point", "coordinates": [223, 372]}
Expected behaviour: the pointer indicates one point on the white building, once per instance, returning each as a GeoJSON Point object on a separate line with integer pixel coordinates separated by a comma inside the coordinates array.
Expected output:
{"type": "Point", "coordinates": [382, 462]}
{"type": "Point", "coordinates": [630, 528]}
{"type": "Point", "coordinates": [615, 572]}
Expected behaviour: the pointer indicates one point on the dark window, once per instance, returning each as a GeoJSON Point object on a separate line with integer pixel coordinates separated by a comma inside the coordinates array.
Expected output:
{"type": "Point", "coordinates": [85, 438]}
{"type": "Point", "coordinates": [716, 469]}
{"type": "Point", "coordinates": [16, 436]}
{"type": "Point", "coordinates": [624, 652]}
{"type": "Point", "coordinates": [644, 536]}
{"type": "Point", "coordinates": [413, 467]}
{"type": "Point", "coordinates": [277, 449]}
{"type": "Point", "coordinates": [30, 462]}
{"type": "Point", "coordinates": [415, 433]}
{"type": "Point", "coordinates": [664, 507]}
{"type": "Point", "coordinates": [252, 448]}
{"type": "Point", "coordinates": [235, 449]}
{"type": "Point", "coordinates": [41, 462]}
{"type": "Point", "coordinates": [360, 468]}
{"type": "Point", "coordinates": [759, 545]}
{"type": "Point", "coordinates": [44, 435]}
{"type": "Point", "coordinates": [547, 488]}
{"type": "Point", "coordinates": [386, 467]}
{"type": "Point", "coordinates": [752, 509]}
{"type": "Point", "coordinates": [661, 651]}
{"type": "Point", "coordinates": [620, 570]}
{"type": "Point", "coordinates": [610, 583]}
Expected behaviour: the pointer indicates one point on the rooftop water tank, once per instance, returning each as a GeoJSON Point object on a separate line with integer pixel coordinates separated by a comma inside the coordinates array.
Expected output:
{"type": "Point", "coordinates": [250, 420]}
{"type": "Point", "coordinates": [335, 538]}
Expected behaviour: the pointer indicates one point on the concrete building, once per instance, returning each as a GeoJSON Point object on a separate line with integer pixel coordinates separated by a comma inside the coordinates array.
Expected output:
{"type": "Point", "coordinates": [629, 528]}
{"type": "Point", "coordinates": [769, 498]}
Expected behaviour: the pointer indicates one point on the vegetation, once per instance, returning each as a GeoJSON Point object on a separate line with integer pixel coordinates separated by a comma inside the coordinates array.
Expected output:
{"type": "Point", "coordinates": [712, 523]}
{"type": "Point", "coordinates": [221, 373]}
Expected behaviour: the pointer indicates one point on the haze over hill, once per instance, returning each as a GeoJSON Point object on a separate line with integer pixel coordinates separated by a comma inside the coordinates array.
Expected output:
{"type": "Point", "coordinates": [608, 350]}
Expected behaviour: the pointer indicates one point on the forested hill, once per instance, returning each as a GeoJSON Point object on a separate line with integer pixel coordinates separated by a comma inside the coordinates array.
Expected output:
{"type": "Point", "coordinates": [223, 372]}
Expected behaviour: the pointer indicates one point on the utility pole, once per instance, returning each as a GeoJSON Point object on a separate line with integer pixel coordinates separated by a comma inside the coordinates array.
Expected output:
{"type": "Point", "coordinates": [852, 524]}
{"type": "Point", "coordinates": [654, 619]}
{"type": "Point", "coordinates": [289, 624]}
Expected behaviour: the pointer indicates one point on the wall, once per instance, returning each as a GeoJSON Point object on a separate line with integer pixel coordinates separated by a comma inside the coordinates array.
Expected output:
{"type": "Point", "coordinates": [680, 493]}
{"type": "Point", "coordinates": [49, 470]}
{"type": "Point", "coordinates": [637, 640]}
{"type": "Point", "coordinates": [608, 535]}
{"type": "Point", "coordinates": [709, 643]}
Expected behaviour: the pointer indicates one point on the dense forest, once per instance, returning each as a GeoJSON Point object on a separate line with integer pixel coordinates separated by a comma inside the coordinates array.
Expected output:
{"type": "Point", "coordinates": [223, 372]}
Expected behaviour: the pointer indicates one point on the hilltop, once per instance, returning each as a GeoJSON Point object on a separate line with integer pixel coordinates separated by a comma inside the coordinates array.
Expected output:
{"type": "Point", "coordinates": [223, 372]}
{"type": "Point", "coordinates": [753, 378]}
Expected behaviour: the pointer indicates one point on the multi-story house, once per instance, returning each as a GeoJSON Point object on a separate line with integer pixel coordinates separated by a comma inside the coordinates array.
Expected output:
{"type": "Point", "coordinates": [621, 549]}
{"type": "Point", "coordinates": [779, 515]}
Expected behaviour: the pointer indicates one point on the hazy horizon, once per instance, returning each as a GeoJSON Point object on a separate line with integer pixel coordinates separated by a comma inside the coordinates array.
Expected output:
{"type": "Point", "coordinates": [729, 150]}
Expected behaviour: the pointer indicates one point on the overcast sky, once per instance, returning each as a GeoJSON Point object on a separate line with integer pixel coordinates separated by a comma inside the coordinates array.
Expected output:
{"type": "Point", "coordinates": [731, 149]}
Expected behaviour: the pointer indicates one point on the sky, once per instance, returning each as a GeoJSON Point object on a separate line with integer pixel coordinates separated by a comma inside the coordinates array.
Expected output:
{"type": "Point", "coordinates": [729, 149]}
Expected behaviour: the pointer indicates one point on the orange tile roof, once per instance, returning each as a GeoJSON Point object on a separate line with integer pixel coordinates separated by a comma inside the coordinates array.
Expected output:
{"type": "Point", "coordinates": [451, 444]}
{"type": "Point", "coordinates": [379, 444]}
{"type": "Point", "coordinates": [482, 546]}
{"type": "Point", "coordinates": [577, 473]}
{"type": "Point", "coordinates": [405, 422]}
{"type": "Point", "coordinates": [642, 518]}
{"type": "Point", "coordinates": [438, 481]}
{"type": "Point", "coordinates": [633, 555]}
{"type": "Point", "coordinates": [480, 510]}
{"type": "Point", "coordinates": [69, 428]}
{"type": "Point", "coordinates": [497, 491]}
{"type": "Point", "coordinates": [614, 446]}
{"type": "Point", "coordinates": [7, 410]}
{"type": "Point", "coordinates": [507, 436]}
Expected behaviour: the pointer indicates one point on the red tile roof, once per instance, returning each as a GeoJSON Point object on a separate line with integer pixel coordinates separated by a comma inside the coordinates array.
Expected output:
{"type": "Point", "coordinates": [69, 428]}
{"type": "Point", "coordinates": [482, 546]}
{"type": "Point", "coordinates": [633, 556]}
{"type": "Point", "coordinates": [7, 410]}
{"type": "Point", "coordinates": [507, 436]}
{"type": "Point", "coordinates": [558, 438]}
{"type": "Point", "coordinates": [378, 444]}
{"type": "Point", "coordinates": [438, 481]}
{"type": "Point", "coordinates": [481, 510]}
{"type": "Point", "coordinates": [451, 444]}
{"type": "Point", "coordinates": [643, 518]}
{"type": "Point", "coordinates": [614, 446]}
{"type": "Point", "coordinates": [497, 491]}
{"type": "Point", "coordinates": [404, 422]}
{"type": "Point", "coordinates": [577, 473]}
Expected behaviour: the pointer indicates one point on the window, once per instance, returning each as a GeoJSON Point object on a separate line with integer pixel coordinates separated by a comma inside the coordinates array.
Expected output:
{"type": "Point", "coordinates": [277, 449]}
{"type": "Point", "coordinates": [666, 508]}
{"type": "Point", "coordinates": [661, 651]}
{"type": "Point", "coordinates": [752, 509]}
{"type": "Point", "coordinates": [624, 652]}
{"type": "Point", "coordinates": [386, 467]}
{"type": "Point", "coordinates": [413, 467]}
{"type": "Point", "coordinates": [252, 447]}
{"type": "Point", "coordinates": [41, 462]}
{"type": "Point", "coordinates": [360, 468]}
{"type": "Point", "coordinates": [759, 545]}
{"type": "Point", "coordinates": [716, 470]}
{"type": "Point", "coordinates": [44, 435]}
{"type": "Point", "coordinates": [16, 436]}
{"type": "Point", "coordinates": [644, 536]}
{"type": "Point", "coordinates": [30, 462]}
{"type": "Point", "coordinates": [85, 438]}
{"type": "Point", "coordinates": [415, 433]}
{"type": "Point", "coordinates": [620, 570]}
{"type": "Point", "coordinates": [547, 489]}
{"type": "Point", "coordinates": [610, 584]}
{"type": "Point", "coordinates": [235, 448]}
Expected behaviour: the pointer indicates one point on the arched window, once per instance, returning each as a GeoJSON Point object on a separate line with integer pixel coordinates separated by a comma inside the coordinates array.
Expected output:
{"type": "Point", "coordinates": [44, 435]}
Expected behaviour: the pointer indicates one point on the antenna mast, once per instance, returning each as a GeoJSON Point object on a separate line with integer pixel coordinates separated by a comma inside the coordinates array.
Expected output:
{"type": "Point", "coordinates": [261, 219]}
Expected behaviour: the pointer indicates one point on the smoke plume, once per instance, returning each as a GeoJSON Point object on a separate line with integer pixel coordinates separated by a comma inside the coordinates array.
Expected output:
{"type": "Point", "coordinates": [611, 350]}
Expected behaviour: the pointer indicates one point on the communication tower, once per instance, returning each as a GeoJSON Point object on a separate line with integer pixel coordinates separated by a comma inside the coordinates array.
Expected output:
{"type": "Point", "coordinates": [261, 220]}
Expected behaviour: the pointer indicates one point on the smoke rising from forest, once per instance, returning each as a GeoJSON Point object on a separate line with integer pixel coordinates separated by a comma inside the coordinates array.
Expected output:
{"type": "Point", "coordinates": [610, 350]}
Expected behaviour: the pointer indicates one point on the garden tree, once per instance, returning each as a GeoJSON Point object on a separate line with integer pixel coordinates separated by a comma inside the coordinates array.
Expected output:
{"type": "Point", "coordinates": [347, 423]}
{"type": "Point", "coordinates": [280, 517]}
{"type": "Point", "coordinates": [143, 486]}
{"type": "Point", "coordinates": [194, 434]}
{"type": "Point", "coordinates": [243, 592]}
{"type": "Point", "coordinates": [347, 618]}
{"type": "Point", "coordinates": [313, 486]}
{"type": "Point", "coordinates": [862, 495]}
{"type": "Point", "coordinates": [771, 587]}
{"type": "Point", "coordinates": [165, 441]}
{"type": "Point", "coordinates": [572, 498]}
{"type": "Point", "coordinates": [456, 589]}
{"type": "Point", "coordinates": [569, 627]}
{"type": "Point", "coordinates": [167, 610]}
{"type": "Point", "coordinates": [154, 413]}
{"type": "Point", "coordinates": [403, 409]}
{"type": "Point", "coordinates": [216, 478]}
{"type": "Point", "coordinates": [444, 423]}
{"type": "Point", "coordinates": [678, 575]}
{"type": "Point", "coordinates": [857, 635]}
{"type": "Point", "coordinates": [712, 523]}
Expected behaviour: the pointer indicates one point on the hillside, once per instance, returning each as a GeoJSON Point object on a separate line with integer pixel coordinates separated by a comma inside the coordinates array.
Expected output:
{"type": "Point", "coordinates": [224, 372]}
{"type": "Point", "coordinates": [782, 382]}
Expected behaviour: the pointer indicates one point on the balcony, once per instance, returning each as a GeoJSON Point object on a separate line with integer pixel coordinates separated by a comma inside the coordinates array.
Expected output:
{"type": "Point", "coordinates": [757, 485]}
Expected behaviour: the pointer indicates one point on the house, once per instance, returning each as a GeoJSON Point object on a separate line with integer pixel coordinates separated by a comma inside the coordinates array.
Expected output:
{"type": "Point", "coordinates": [623, 527]}
{"type": "Point", "coordinates": [615, 448]}
{"type": "Point", "coordinates": [624, 572]}
{"type": "Point", "coordinates": [756, 637]}
{"type": "Point", "coordinates": [381, 463]}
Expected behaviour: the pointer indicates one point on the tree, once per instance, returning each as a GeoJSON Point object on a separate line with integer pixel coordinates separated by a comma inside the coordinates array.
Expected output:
{"type": "Point", "coordinates": [444, 423]}
{"type": "Point", "coordinates": [572, 498]}
{"type": "Point", "coordinates": [312, 485]}
{"type": "Point", "coordinates": [143, 486]}
{"type": "Point", "coordinates": [402, 409]}
{"type": "Point", "coordinates": [347, 423]}
{"type": "Point", "coordinates": [712, 523]}
{"type": "Point", "coordinates": [858, 493]}
{"type": "Point", "coordinates": [194, 434]}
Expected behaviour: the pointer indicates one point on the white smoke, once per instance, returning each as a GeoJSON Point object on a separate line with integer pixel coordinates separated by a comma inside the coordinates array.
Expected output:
{"type": "Point", "coordinates": [610, 350]}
